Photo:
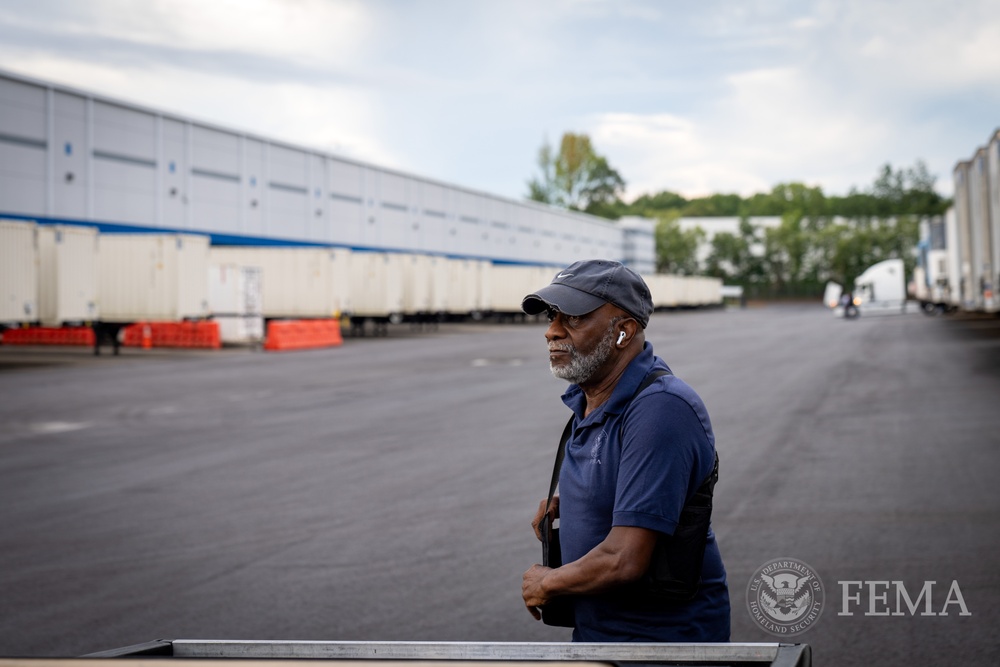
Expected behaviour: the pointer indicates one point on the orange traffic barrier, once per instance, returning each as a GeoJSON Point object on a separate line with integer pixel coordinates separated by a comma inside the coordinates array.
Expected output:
{"type": "Point", "coordinates": [302, 334]}
{"type": "Point", "coordinates": [202, 335]}
{"type": "Point", "coordinates": [49, 336]}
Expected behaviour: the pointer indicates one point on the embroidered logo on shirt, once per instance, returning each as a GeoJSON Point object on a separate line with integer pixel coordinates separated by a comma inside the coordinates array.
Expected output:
{"type": "Point", "coordinates": [595, 451]}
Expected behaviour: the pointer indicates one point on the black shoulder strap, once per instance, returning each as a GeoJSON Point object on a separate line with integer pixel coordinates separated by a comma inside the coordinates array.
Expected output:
{"type": "Point", "coordinates": [560, 455]}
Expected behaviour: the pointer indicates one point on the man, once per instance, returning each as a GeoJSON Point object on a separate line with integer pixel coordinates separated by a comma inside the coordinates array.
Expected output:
{"type": "Point", "coordinates": [631, 464]}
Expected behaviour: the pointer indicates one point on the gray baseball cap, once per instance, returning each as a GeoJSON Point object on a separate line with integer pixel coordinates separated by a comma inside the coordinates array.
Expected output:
{"type": "Point", "coordinates": [589, 284]}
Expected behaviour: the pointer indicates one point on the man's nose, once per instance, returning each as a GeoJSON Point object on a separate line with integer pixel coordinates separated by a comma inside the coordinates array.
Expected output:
{"type": "Point", "coordinates": [556, 329]}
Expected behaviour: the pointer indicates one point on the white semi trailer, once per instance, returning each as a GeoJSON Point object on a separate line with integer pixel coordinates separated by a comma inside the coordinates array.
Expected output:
{"type": "Point", "coordinates": [67, 280]}
{"type": "Point", "coordinates": [18, 272]}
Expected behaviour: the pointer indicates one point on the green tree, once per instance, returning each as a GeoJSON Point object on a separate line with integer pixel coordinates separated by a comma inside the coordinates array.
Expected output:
{"type": "Point", "coordinates": [654, 205]}
{"type": "Point", "coordinates": [576, 177]}
{"type": "Point", "coordinates": [728, 255]}
{"type": "Point", "coordinates": [786, 248]}
{"type": "Point", "coordinates": [820, 237]}
{"type": "Point", "coordinates": [894, 192]}
{"type": "Point", "coordinates": [908, 190]}
{"type": "Point", "coordinates": [732, 256]}
{"type": "Point", "coordinates": [714, 205]}
{"type": "Point", "coordinates": [676, 248]}
{"type": "Point", "coordinates": [854, 250]}
{"type": "Point", "coordinates": [543, 187]}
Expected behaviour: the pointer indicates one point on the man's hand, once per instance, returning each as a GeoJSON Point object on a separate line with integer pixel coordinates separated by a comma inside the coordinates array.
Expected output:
{"type": "Point", "coordinates": [553, 515]}
{"type": "Point", "coordinates": [532, 590]}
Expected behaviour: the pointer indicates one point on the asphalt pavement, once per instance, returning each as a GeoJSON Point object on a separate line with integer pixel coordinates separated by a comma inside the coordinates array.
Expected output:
{"type": "Point", "coordinates": [382, 490]}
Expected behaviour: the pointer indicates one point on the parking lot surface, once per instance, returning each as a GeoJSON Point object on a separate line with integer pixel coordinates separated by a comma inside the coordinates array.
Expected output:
{"type": "Point", "coordinates": [382, 490]}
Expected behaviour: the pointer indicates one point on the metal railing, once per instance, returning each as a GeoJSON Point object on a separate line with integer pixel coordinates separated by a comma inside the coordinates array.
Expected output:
{"type": "Point", "coordinates": [783, 655]}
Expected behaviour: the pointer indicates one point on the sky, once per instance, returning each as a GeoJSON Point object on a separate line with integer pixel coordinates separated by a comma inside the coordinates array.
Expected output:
{"type": "Point", "coordinates": [696, 98]}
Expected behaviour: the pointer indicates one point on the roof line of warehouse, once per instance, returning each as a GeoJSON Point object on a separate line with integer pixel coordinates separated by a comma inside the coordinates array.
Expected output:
{"type": "Point", "coordinates": [581, 217]}
{"type": "Point", "coordinates": [217, 239]}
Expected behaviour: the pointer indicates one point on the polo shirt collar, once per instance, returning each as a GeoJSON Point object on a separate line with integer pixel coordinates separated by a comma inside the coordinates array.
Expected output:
{"type": "Point", "coordinates": [630, 380]}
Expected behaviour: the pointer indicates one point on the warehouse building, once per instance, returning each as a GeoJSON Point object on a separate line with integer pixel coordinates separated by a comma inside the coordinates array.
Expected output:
{"type": "Point", "coordinates": [73, 157]}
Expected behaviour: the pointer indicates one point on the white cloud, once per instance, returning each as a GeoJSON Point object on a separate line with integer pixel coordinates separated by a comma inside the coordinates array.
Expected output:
{"type": "Point", "coordinates": [805, 23]}
{"type": "Point", "coordinates": [312, 31]}
{"type": "Point", "coordinates": [600, 9]}
{"type": "Point", "coordinates": [736, 98]}
{"type": "Point", "coordinates": [662, 151]}
{"type": "Point", "coordinates": [920, 47]}
{"type": "Point", "coordinates": [775, 116]}
{"type": "Point", "coordinates": [772, 125]}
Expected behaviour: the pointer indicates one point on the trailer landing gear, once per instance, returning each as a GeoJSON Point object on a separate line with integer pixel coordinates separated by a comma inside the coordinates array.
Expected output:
{"type": "Point", "coordinates": [107, 332]}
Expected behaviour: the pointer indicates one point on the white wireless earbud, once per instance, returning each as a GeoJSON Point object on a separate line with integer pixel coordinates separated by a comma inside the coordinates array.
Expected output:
{"type": "Point", "coordinates": [621, 337]}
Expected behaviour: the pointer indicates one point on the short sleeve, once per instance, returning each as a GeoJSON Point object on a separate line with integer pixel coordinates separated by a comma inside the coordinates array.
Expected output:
{"type": "Point", "coordinates": [666, 444]}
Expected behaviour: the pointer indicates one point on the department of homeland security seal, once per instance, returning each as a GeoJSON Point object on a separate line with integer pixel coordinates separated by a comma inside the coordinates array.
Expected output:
{"type": "Point", "coordinates": [785, 596]}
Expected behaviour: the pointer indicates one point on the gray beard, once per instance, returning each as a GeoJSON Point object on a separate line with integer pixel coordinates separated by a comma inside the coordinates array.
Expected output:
{"type": "Point", "coordinates": [583, 366]}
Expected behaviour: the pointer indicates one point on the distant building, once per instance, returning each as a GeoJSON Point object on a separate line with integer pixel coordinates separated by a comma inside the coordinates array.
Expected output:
{"type": "Point", "coordinates": [639, 243]}
{"type": "Point", "coordinates": [74, 157]}
{"type": "Point", "coordinates": [716, 225]}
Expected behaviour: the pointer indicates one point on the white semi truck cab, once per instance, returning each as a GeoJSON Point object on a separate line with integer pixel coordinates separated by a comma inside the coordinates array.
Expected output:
{"type": "Point", "coordinates": [882, 286]}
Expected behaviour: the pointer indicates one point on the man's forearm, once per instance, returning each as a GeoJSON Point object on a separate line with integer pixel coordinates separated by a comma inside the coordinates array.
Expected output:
{"type": "Point", "coordinates": [623, 557]}
{"type": "Point", "coordinates": [597, 572]}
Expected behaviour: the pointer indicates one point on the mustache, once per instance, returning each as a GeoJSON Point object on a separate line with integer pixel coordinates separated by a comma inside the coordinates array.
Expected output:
{"type": "Point", "coordinates": [565, 347]}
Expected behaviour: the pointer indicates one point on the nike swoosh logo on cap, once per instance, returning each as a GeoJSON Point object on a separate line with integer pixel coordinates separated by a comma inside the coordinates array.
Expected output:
{"type": "Point", "coordinates": [564, 275]}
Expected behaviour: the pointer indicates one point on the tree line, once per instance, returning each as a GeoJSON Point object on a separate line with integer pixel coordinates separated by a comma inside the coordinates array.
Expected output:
{"type": "Point", "coordinates": [820, 237]}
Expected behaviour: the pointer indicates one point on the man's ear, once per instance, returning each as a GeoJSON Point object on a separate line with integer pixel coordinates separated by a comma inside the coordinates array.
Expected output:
{"type": "Point", "coordinates": [627, 329]}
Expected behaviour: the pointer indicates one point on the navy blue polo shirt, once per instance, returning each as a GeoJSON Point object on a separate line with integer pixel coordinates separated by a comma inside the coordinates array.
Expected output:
{"type": "Point", "coordinates": [636, 463]}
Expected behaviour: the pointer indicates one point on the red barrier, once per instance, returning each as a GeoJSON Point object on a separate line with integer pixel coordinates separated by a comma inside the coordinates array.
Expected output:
{"type": "Point", "coordinates": [201, 335]}
{"type": "Point", "coordinates": [302, 334]}
{"type": "Point", "coordinates": [49, 336]}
